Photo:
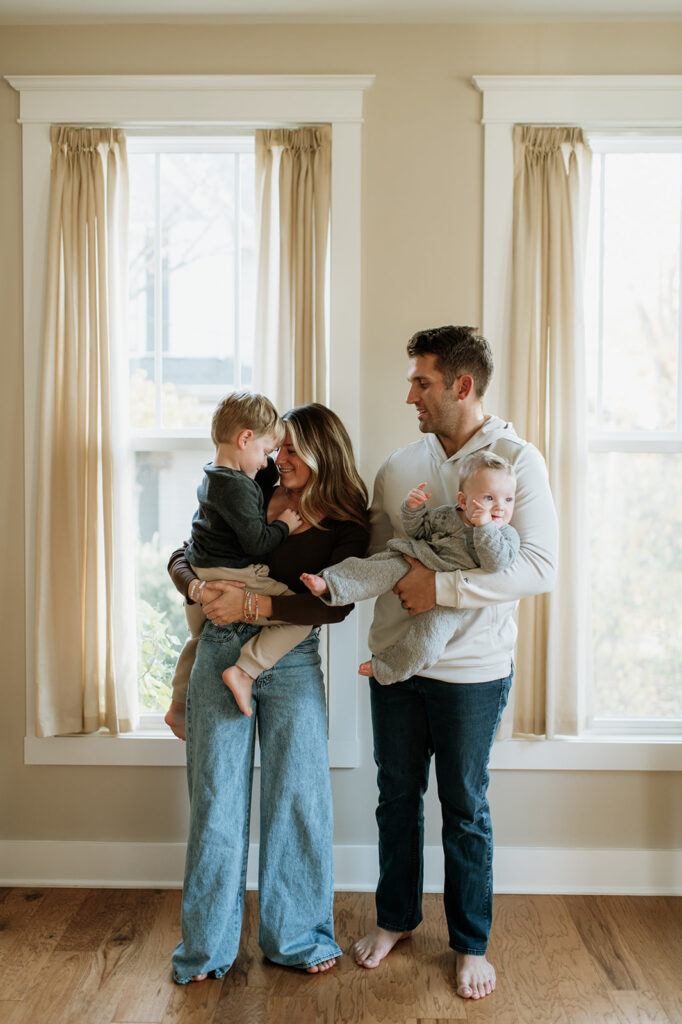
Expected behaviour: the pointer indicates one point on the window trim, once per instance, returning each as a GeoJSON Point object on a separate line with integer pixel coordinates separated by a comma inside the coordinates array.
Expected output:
{"type": "Point", "coordinates": [599, 104]}
{"type": "Point", "coordinates": [206, 103]}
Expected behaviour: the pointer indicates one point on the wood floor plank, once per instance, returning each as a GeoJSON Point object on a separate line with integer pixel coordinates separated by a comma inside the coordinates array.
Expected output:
{"type": "Point", "coordinates": [604, 942]}
{"type": "Point", "coordinates": [522, 959]}
{"type": "Point", "coordinates": [36, 937]}
{"type": "Point", "coordinates": [651, 930]}
{"type": "Point", "coordinates": [580, 984]}
{"type": "Point", "coordinates": [47, 1001]}
{"type": "Point", "coordinates": [194, 1003]}
{"type": "Point", "coordinates": [18, 906]}
{"type": "Point", "coordinates": [640, 1008]}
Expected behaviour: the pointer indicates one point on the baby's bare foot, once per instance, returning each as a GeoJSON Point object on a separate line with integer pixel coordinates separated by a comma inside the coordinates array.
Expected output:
{"type": "Point", "coordinates": [365, 669]}
{"type": "Point", "coordinates": [240, 683]}
{"type": "Point", "coordinates": [371, 949]}
{"type": "Point", "coordinates": [475, 976]}
{"type": "Point", "coordinates": [315, 584]}
{"type": "Point", "coordinates": [324, 966]}
{"type": "Point", "coordinates": [175, 719]}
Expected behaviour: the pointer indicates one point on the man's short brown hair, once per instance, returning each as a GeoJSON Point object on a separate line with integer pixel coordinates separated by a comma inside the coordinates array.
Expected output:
{"type": "Point", "coordinates": [457, 350]}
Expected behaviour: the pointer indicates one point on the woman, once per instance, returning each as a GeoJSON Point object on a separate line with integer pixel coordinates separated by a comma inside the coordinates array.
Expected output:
{"type": "Point", "coordinates": [318, 477]}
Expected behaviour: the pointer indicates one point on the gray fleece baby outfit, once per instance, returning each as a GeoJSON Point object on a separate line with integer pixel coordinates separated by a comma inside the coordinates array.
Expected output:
{"type": "Point", "coordinates": [441, 541]}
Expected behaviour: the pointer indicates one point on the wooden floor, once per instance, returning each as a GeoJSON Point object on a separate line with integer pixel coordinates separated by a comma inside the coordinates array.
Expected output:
{"type": "Point", "coordinates": [101, 956]}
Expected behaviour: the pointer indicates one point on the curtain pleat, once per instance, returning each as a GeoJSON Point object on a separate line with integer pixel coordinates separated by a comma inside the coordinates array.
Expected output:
{"type": "Point", "coordinates": [548, 406]}
{"type": "Point", "coordinates": [86, 676]}
{"type": "Point", "coordinates": [293, 189]}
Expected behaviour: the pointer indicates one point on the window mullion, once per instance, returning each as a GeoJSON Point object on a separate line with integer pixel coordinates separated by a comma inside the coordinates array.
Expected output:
{"type": "Point", "coordinates": [600, 312]}
{"type": "Point", "coordinates": [237, 264]}
{"type": "Point", "coordinates": [158, 295]}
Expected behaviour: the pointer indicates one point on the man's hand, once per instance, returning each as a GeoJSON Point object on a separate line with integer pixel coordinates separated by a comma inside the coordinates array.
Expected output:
{"type": "Point", "coordinates": [417, 588]}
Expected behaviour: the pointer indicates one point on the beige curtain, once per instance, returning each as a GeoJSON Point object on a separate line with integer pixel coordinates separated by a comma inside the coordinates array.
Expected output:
{"type": "Point", "coordinates": [548, 407]}
{"type": "Point", "coordinates": [293, 190]}
{"type": "Point", "coordinates": [84, 607]}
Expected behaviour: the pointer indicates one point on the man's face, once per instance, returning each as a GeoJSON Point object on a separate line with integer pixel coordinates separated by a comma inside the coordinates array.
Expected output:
{"type": "Point", "coordinates": [436, 405]}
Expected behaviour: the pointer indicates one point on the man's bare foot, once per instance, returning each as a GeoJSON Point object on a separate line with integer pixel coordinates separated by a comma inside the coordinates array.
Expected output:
{"type": "Point", "coordinates": [237, 680]}
{"type": "Point", "coordinates": [315, 584]}
{"type": "Point", "coordinates": [324, 966]}
{"type": "Point", "coordinates": [365, 669]}
{"type": "Point", "coordinates": [175, 719]}
{"type": "Point", "coordinates": [371, 949]}
{"type": "Point", "coordinates": [475, 976]}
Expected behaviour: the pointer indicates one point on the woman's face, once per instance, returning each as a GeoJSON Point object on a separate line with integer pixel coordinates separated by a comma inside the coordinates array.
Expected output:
{"type": "Point", "coordinates": [293, 472]}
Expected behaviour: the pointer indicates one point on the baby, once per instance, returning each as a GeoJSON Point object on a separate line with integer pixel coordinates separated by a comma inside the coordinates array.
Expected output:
{"type": "Point", "coordinates": [473, 534]}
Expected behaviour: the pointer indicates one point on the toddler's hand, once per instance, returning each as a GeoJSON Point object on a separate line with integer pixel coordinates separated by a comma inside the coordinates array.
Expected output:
{"type": "Point", "coordinates": [291, 518]}
{"type": "Point", "coordinates": [480, 515]}
{"type": "Point", "coordinates": [417, 496]}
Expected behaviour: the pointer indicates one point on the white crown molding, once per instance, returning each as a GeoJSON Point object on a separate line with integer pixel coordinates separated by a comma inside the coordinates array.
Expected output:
{"type": "Point", "coordinates": [522, 870]}
{"type": "Point", "coordinates": [588, 100]}
{"type": "Point", "coordinates": [173, 83]}
{"type": "Point", "coordinates": [127, 100]}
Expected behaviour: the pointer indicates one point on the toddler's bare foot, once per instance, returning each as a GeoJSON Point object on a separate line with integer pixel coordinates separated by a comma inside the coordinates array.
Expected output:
{"type": "Point", "coordinates": [371, 949]}
{"type": "Point", "coordinates": [175, 719]}
{"type": "Point", "coordinates": [315, 584]}
{"type": "Point", "coordinates": [324, 966]}
{"type": "Point", "coordinates": [475, 976]}
{"type": "Point", "coordinates": [365, 669]}
{"type": "Point", "coordinates": [240, 683]}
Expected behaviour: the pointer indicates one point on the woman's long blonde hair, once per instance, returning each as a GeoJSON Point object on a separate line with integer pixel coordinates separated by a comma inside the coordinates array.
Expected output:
{"type": "Point", "coordinates": [335, 488]}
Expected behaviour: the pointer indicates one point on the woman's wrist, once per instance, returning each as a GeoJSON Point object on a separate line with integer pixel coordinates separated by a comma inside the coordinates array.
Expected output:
{"type": "Point", "coordinates": [195, 591]}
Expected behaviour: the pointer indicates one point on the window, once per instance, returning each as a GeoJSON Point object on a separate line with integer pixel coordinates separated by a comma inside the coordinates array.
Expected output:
{"type": "Point", "coordinates": [192, 252]}
{"type": "Point", "coordinates": [633, 336]}
{"type": "Point", "coordinates": [624, 450]}
{"type": "Point", "coordinates": [202, 105]}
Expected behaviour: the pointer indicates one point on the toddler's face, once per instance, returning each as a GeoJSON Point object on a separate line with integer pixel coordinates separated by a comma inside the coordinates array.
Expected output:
{"type": "Point", "coordinates": [254, 455]}
{"type": "Point", "coordinates": [494, 490]}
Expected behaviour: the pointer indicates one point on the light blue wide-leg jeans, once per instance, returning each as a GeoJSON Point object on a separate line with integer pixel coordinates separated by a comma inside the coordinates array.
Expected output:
{"type": "Point", "coordinates": [296, 867]}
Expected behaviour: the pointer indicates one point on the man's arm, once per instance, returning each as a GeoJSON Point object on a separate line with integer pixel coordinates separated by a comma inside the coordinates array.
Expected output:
{"type": "Point", "coordinates": [533, 572]}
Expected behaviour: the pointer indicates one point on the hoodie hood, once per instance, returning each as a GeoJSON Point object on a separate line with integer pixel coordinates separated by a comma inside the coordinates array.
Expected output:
{"type": "Point", "coordinates": [493, 430]}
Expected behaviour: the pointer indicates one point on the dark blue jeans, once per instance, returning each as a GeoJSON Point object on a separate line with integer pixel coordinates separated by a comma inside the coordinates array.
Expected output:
{"type": "Point", "coordinates": [456, 722]}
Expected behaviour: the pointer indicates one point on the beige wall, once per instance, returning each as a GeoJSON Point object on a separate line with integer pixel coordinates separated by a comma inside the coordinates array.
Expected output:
{"type": "Point", "coordinates": [422, 257]}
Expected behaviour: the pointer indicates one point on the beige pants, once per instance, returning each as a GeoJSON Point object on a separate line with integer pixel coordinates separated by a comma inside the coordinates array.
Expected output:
{"type": "Point", "coordinates": [261, 651]}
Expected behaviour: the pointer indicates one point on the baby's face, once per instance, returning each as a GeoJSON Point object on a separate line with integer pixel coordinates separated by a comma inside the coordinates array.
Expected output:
{"type": "Point", "coordinates": [491, 489]}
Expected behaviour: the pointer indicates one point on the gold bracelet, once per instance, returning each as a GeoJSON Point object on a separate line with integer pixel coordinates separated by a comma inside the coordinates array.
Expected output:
{"type": "Point", "coordinates": [250, 606]}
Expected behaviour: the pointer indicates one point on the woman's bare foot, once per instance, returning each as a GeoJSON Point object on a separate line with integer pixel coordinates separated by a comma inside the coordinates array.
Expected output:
{"type": "Point", "coordinates": [324, 966]}
{"type": "Point", "coordinates": [371, 949]}
{"type": "Point", "coordinates": [200, 977]}
{"type": "Point", "coordinates": [365, 669]}
{"type": "Point", "coordinates": [315, 584]}
{"type": "Point", "coordinates": [175, 719]}
{"type": "Point", "coordinates": [475, 976]}
{"type": "Point", "coordinates": [240, 683]}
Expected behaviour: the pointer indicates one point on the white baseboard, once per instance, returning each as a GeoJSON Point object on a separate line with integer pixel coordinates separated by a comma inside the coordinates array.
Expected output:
{"type": "Point", "coordinates": [517, 869]}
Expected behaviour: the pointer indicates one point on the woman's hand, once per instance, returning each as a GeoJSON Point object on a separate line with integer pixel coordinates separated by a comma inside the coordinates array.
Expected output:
{"type": "Point", "coordinates": [225, 604]}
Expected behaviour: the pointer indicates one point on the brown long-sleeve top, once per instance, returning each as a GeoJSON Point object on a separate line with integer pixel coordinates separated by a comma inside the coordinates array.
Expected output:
{"type": "Point", "coordinates": [311, 551]}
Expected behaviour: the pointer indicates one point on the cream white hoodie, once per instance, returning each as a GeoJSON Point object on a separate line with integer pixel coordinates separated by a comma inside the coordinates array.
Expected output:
{"type": "Point", "coordinates": [483, 647]}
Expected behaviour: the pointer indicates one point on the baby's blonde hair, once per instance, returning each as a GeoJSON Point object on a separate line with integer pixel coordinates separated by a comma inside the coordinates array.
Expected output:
{"type": "Point", "coordinates": [245, 410]}
{"type": "Point", "coordinates": [483, 460]}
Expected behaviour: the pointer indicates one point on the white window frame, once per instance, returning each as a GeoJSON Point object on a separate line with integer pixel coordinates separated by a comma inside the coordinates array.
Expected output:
{"type": "Point", "coordinates": [204, 103]}
{"type": "Point", "coordinates": [599, 104]}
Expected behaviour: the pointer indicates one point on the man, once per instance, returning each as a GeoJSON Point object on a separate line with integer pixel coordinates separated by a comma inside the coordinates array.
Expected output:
{"type": "Point", "coordinates": [453, 709]}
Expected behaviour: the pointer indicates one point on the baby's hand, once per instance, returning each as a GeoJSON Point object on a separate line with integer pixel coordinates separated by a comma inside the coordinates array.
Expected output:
{"type": "Point", "coordinates": [315, 584]}
{"type": "Point", "coordinates": [417, 496]}
{"type": "Point", "coordinates": [480, 515]}
{"type": "Point", "coordinates": [291, 518]}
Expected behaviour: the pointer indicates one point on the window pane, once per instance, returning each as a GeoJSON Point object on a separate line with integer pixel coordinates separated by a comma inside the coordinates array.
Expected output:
{"type": "Point", "coordinates": [166, 489]}
{"type": "Point", "coordinates": [636, 528]}
{"type": "Point", "coordinates": [633, 290]}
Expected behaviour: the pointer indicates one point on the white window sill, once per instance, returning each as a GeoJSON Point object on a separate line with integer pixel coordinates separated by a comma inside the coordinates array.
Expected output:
{"type": "Point", "coordinates": [590, 754]}
{"type": "Point", "coordinates": [613, 753]}
{"type": "Point", "coordinates": [144, 748]}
